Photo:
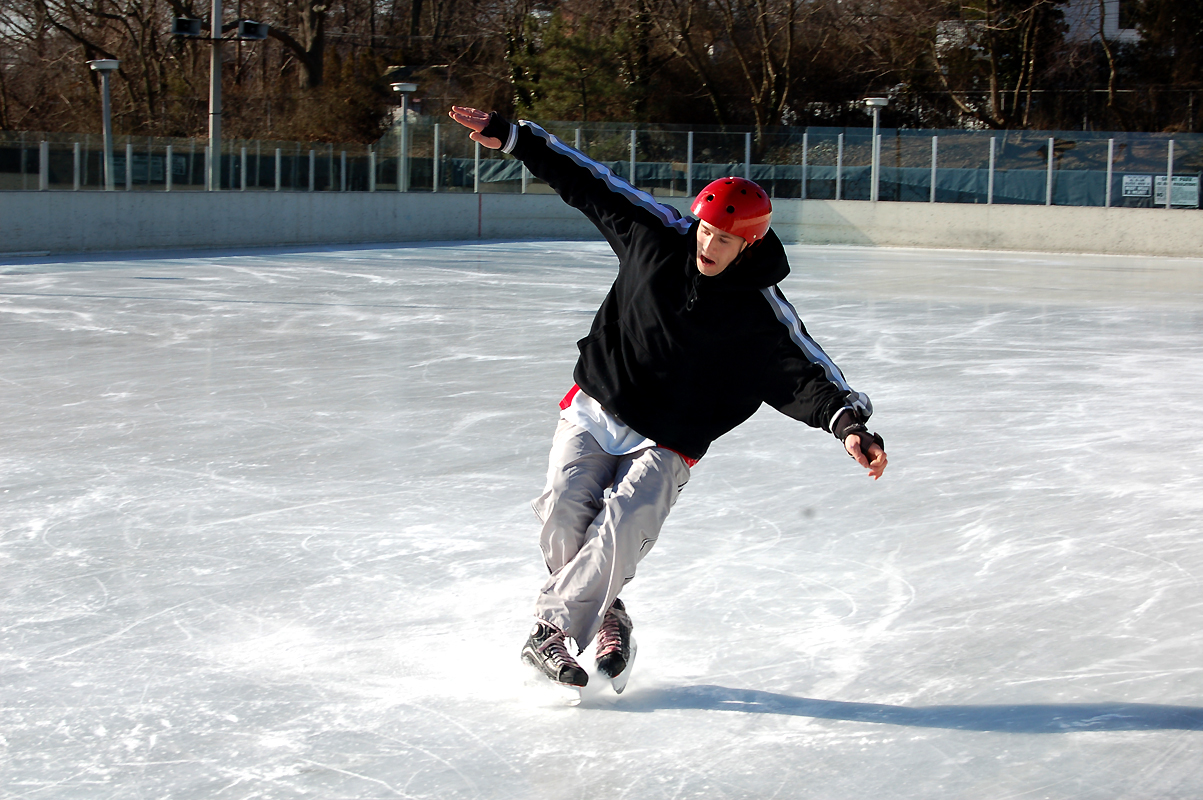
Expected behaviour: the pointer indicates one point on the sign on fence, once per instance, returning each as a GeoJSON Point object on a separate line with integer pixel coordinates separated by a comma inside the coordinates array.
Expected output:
{"type": "Point", "coordinates": [1138, 186]}
{"type": "Point", "coordinates": [1185, 191]}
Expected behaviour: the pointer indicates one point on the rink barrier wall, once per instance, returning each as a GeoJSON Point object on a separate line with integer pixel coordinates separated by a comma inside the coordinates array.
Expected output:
{"type": "Point", "coordinates": [62, 222]}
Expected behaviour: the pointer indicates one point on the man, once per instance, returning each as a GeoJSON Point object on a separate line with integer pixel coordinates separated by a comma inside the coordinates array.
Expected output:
{"type": "Point", "coordinates": [693, 336]}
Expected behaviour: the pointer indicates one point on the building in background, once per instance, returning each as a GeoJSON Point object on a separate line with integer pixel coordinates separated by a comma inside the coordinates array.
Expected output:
{"type": "Point", "coordinates": [1082, 17]}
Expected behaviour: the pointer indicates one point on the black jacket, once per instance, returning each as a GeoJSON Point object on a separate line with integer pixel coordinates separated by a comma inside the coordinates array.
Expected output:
{"type": "Point", "coordinates": [680, 357]}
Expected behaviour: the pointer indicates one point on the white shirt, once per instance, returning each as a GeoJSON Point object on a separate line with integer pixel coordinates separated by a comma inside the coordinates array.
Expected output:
{"type": "Point", "coordinates": [614, 437]}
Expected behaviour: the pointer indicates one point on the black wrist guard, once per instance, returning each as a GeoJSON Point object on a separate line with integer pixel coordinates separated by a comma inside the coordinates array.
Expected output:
{"type": "Point", "coordinates": [498, 127]}
{"type": "Point", "coordinates": [849, 424]}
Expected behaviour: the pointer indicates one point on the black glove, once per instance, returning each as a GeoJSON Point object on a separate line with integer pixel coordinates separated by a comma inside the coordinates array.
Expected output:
{"type": "Point", "coordinates": [850, 423]}
{"type": "Point", "coordinates": [498, 127]}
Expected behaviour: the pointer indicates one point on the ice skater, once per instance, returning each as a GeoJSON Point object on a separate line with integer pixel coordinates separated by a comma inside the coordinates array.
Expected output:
{"type": "Point", "coordinates": [693, 336]}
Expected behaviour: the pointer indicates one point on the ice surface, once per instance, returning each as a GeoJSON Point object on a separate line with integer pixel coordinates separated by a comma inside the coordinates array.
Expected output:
{"type": "Point", "coordinates": [264, 533]}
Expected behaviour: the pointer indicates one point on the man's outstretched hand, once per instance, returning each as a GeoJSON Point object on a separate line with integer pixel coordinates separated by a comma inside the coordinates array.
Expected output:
{"type": "Point", "coordinates": [875, 461]}
{"type": "Point", "coordinates": [476, 120]}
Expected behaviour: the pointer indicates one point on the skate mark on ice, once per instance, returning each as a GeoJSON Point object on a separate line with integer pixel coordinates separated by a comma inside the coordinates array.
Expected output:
{"type": "Point", "coordinates": [117, 634]}
{"type": "Point", "coordinates": [484, 744]}
{"type": "Point", "coordinates": [1015, 718]}
{"type": "Point", "coordinates": [366, 778]}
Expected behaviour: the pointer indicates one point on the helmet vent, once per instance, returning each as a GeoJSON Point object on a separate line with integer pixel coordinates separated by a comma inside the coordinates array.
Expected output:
{"type": "Point", "coordinates": [730, 209]}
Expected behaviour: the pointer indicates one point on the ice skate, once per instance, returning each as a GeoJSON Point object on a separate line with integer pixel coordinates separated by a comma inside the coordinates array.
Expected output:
{"type": "Point", "coordinates": [546, 652]}
{"type": "Point", "coordinates": [616, 646]}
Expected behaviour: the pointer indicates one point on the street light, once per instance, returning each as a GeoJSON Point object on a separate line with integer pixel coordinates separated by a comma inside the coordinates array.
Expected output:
{"type": "Point", "coordinates": [248, 30]}
{"type": "Point", "coordinates": [405, 90]}
{"type": "Point", "coordinates": [875, 105]}
{"type": "Point", "coordinates": [213, 173]}
{"type": "Point", "coordinates": [105, 66]}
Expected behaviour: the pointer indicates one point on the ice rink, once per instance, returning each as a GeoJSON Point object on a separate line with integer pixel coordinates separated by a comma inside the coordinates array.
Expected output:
{"type": "Point", "coordinates": [265, 533]}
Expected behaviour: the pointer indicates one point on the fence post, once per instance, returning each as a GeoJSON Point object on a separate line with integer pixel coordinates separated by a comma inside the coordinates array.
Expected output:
{"type": "Point", "coordinates": [839, 166]}
{"type": "Point", "coordinates": [748, 155]}
{"type": "Point", "coordinates": [523, 178]}
{"type": "Point", "coordinates": [1110, 168]}
{"type": "Point", "coordinates": [875, 190]}
{"type": "Point", "coordinates": [434, 167]}
{"type": "Point", "coordinates": [632, 156]}
{"type": "Point", "coordinates": [476, 171]}
{"type": "Point", "coordinates": [75, 167]}
{"type": "Point", "coordinates": [342, 171]}
{"type": "Point", "coordinates": [242, 169]}
{"type": "Point", "coordinates": [371, 169]}
{"type": "Point", "coordinates": [1169, 177]}
{"type": "Point", "coordinates": [208, 168]}
{"type": "Point", "coordinates": [805, 156]}
{"type": "Point", "coordinates": [577, 142]}
{"type": "Point", "coordinates": [44, 166]}
{"type": "Point", "coordinates": [312, 169]}
{"type": "Point", "coordinates": [167, 168]}
{"type": "Point", "coordinates": [129, 166]}
{"type": "Point", "coordinates": [689, 165]}
{"type": "Point", "coordinates": [990, 177]}
{"type": "Point", "coordinates": [1048, 180]}
{"type": "Point", "coordinates": [935, 146]}
{"type": "Point", "coordinates": [279, 167]}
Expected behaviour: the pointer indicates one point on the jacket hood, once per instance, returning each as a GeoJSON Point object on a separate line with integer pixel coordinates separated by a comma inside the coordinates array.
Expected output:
{"type": "Point", "coordinates": [762, 265]}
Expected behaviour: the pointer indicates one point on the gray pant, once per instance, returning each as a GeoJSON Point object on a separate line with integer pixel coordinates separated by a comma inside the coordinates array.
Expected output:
{"type": "Point", "coordinates": [592, 540]}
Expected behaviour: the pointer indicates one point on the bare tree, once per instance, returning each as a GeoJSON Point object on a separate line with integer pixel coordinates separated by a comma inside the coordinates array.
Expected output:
{"type": "Point", "coordinates": [994, 50]}
{"type": "Point", "coordinates": [308, 47]}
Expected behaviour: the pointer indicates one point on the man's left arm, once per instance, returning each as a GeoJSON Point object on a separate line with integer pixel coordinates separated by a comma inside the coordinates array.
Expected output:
{"type": "Point", "coordinates": [804, 383]}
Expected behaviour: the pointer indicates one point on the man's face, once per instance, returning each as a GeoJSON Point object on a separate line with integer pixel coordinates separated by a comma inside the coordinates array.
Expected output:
{"type": "Point", "coordinates": [716, 248]}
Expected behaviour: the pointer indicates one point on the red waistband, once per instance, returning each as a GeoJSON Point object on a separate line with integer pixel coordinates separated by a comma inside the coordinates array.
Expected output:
{"type": "Point", "coordinates": [567, 401]}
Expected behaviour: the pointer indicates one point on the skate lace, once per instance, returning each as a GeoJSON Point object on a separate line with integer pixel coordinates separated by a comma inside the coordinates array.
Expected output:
{"type": "Point", "coordinates": [556, 650]}
{"type": "Point", "coordinates": [609, 638]}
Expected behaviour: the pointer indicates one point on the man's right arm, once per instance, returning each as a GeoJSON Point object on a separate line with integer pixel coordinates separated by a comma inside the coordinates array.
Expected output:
{"type": "Point", "coordinates": [616, 207]}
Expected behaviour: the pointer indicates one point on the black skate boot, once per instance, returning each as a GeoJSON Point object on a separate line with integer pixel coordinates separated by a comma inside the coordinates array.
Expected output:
{"type": "Point", "coordinates": [616, 646]}
{"type": "Point", "coordinates": [546, 651]}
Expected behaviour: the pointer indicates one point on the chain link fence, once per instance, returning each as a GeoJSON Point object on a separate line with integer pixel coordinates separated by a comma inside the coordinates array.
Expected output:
{"type": "Point", "coordinates": [1016, 167]}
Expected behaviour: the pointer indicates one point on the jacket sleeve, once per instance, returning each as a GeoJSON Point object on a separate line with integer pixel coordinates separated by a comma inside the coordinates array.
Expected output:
{"type": "Point", "coordinates": [619, 210]}
{"type": "Point", "coordinates": [804, 383]}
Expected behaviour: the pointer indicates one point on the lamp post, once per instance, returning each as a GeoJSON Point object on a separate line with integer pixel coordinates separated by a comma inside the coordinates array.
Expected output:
{"type": "Point", "coordinates": [248, 30]}
{"type": "Point", "coordinates": [875, 105]}
{"type": "Point", "coordinates": [214, 177]}
{"type": "Point", "coordinates": [405, 89]}
{"type": "Point", "coordinates": [105, 66]}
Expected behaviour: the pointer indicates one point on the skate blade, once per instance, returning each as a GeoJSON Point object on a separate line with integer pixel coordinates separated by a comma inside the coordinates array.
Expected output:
{"type": "Point", "coordinates": [619, 681]}
{"type": "Point", "coordinates": [543, 691]}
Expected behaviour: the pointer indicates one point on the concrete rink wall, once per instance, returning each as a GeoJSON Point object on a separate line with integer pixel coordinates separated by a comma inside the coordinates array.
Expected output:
{"type": "Point", "coordinates": [72, 222]}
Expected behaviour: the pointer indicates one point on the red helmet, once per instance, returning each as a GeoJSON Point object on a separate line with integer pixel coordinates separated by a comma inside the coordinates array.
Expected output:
{"type": "Point", "coordinates": [737, 206]}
